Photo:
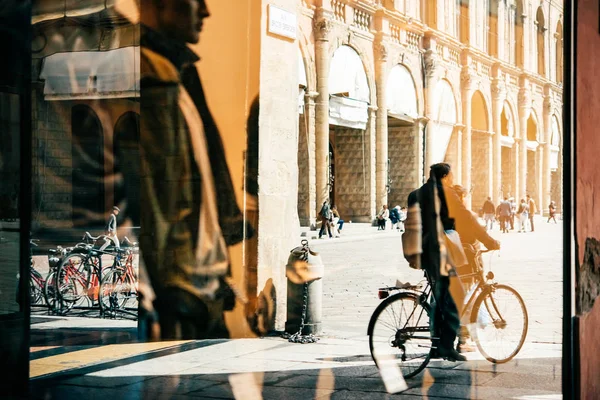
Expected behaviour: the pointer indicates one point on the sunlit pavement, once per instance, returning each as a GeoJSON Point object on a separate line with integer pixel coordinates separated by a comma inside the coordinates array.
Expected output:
{"type": "Point", "coordinates": [338, 366]}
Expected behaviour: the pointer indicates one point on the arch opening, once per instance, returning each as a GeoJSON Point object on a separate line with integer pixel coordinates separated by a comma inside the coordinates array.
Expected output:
{"type": "Point", "coordinates": [349, 96]}
{"type": "Point", "coordinates": [401, 98]}
{"type": "Point", "coordinates": [508, 154]}
{"type": "Point", "coordinates": [87, 150]}
{"type": "Point", "coordinates": [540, 41]}
{"type": "Point", "coordinates": [481, 150]}
{"type": "Point", "coordinates": [127, 167]}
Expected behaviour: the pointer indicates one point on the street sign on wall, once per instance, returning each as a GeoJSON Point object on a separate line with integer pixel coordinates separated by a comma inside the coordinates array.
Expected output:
{"type": "Point", "coordinates": [282, 23]}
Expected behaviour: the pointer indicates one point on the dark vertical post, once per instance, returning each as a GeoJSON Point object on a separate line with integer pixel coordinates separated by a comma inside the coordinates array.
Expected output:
{"type": "Point", "coordinates": [570, 372]}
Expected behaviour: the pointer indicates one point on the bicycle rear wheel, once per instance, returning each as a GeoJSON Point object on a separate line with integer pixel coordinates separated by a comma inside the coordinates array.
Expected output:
{"type": "Point", "coordinates": [73, 281]}
{"type": "Point", "coordinates": [499, 323]}
{"type": "Point", "coordinates": [399, 335]}
{"type": "Point", "coordinates": [117, 290]}
{"type": "Point", "coordinates": [51, 296]}
{"type": "Point", "coordinates": [35, 288]}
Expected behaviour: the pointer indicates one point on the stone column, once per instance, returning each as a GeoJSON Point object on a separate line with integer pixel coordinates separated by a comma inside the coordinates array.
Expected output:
{"type": "Point", "coordinates": [371, 156]}
{"type": "Point", "coordinates": [546, 176]}
{"type": "Point", "coordinates": [309, 110]}
{"type": "Point", "coordinates": [501, 24]}
{"type": "Point", "coordinates": [524, 110]}
{"type": "Point", "coordinates": [497, 105]}
{"type": "Point", "coordinates": [420, 167]}
{"type": "Point", "coordinates": [431, 61]}
{"type": "Point", "coordinates": [458, 130]}
{"type": "Point", "coordinates": [322, 28]}
{"type": "Point", "coordinates": [516, 190]}
{"type": "Point", "coordinates": [467, 94]}
{"type": "Point", "coordinates": [526, 44]}
{"type": "Point", "coordinates": [381, 123]}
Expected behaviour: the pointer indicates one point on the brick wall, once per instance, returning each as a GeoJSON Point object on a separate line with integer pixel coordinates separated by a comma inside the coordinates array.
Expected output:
{"type": "Point", "coordinates": [480, 159]}
{"type": "Point", "coordinates": [352, 172]}
{"type": "Point", "coordinates": [52, 162]}
{"type": "Point", "coordinates": [531, 188]}
{"type": "Point", "coordinates": [508, 172]}
{"type": "Point", "coordinates": [452, 152]}
{"type": "Point", "coordinates": [402, 155]}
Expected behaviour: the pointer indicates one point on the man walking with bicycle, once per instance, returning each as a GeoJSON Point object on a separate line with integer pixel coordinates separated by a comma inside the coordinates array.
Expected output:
{"type": "Point", "coordinates": [442, 211]}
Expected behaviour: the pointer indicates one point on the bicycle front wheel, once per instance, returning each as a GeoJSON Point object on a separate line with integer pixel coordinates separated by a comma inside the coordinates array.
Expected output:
{"type": "Point", "coordinates": [399, 335]}
{"type": "Point", "coordinates": [499, 323]}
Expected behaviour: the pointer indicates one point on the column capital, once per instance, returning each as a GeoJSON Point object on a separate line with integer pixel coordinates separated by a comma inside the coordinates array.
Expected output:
{"type": "Point", "coordinates": [467, 83]}
{"type": "Point", "coordinates": [421, 120]}
{"type": "Point", "coordinates": [381, 51]}
{"type": "Point", "coordinates": [524, 100]}
{"type": "Point", "coordinates": [372, 108]}
{"type": "Point", "coordinates": [322, 26]}
{"type": "Point", "coordinates": [431, 62]}
{"type": "Point", "coordinates": [311, 95]}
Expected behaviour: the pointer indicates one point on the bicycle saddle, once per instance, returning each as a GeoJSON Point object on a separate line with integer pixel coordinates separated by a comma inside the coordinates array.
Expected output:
{"type": "Point", "coordinates": [88, 236]}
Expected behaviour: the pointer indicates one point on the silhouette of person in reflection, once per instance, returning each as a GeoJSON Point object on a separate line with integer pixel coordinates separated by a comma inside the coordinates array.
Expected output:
{"type": "Point", "coordinates": [188, 209]}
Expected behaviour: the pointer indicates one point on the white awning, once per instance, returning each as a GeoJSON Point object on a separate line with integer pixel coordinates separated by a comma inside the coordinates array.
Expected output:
{"type": "Point", "coordinates": [348, 112]}
{"type": "Point", "coordinates": [532, 145]}
{"type": "Point", "coordinates": [401, 93]}
{"type": "Point", "coordinates": [444, 119]}
{"type": "Point", "coordinates": [506, 141]}
{"type": "Point", "coordinates": [92, 74]}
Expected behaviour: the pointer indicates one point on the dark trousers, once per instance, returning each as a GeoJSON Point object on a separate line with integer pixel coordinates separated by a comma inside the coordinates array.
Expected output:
{"type": "Point", "coordinates": [504, 222]}
{"type": "Point", "coordinates": [380, 224]}
{"type": "Point", "coordinates": [325, 224]}
{"type": "Point", "coordinates": [183, 316]}
{"type": "Point", "coordinates": [446, 320]}
{"type": "Point", "coordinates": [531, 221]}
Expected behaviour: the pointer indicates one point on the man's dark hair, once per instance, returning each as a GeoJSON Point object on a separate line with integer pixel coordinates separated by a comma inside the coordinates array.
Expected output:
{"type": "Point", "coordinates": [439, 170]}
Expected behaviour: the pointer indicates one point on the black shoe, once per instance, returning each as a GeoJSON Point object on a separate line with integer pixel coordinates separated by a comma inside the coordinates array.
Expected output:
{"type": "Point", "coordinates": [451, 354]}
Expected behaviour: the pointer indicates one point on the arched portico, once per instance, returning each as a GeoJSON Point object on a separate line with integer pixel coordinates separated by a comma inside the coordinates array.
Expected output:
{"type": "Point", "coordinates": [556, 163]}
{"type": "Point", "coordinates": [403, 146]}
{"type": "Point", "coordinates": [509, 155]}
{"type": "Point", "coordinates": [481, 150]}
{"type": "Point", "coordinates": [350, 120]}
{"type": "Point", "coordinates": [533, 179]}
{"type": "Point", "coordinates": [442, 140]}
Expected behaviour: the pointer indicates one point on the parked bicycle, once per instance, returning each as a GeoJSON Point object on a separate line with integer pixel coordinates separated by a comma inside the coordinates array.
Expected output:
{"type": "Point", "coordinates": [78, 276]}
{"type": "Point", "coordinates": [399, 329]}
{"type": "Point", "coordinates": [119, 285]}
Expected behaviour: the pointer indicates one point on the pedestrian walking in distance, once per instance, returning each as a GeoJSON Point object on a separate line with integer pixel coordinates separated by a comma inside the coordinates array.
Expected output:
{"type": "Point", "coordinates": [523, 214]}
{"type": "Point", "coordinates": [325, 215]}
{"type": "Point", "coordinates": [552, 212]}
{"type": "Point", "coordinates": [532, 210]}
{"type": "Point", "coordinates": [489, 213]}
{"type": "Point", "coordinates": [504, 211]}
{"type": "Point", "coordinates": [382, 217]}
{"type": "Point", "coordinates": [111, 227]}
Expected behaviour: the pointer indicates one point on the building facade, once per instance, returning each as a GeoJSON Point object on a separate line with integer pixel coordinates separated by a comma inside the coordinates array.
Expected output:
{"type": "Point", "coordinates": [388, 88]}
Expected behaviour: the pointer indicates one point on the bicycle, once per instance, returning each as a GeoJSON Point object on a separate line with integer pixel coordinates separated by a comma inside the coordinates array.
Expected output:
{"type": "Point", "coordinates": [53, 301]}
{"type": "Point", "coordinates": [36, 281]}
{"type": "Point", "coordinates": [119, 283]}
{"type": "Point", "coordinates": [78, 276]}
{"type": "Point", "coordinates": [399, 329]}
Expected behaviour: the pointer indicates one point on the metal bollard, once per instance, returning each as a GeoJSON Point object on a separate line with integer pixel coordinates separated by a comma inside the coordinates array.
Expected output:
{"type": "Point", "coordinates": [304, 271]}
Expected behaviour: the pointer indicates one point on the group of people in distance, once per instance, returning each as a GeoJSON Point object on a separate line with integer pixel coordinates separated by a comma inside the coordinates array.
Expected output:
{"type": "Point", "coordinates": [396, 215]}
{"type": "Point", "coordinates": [508, 211]}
